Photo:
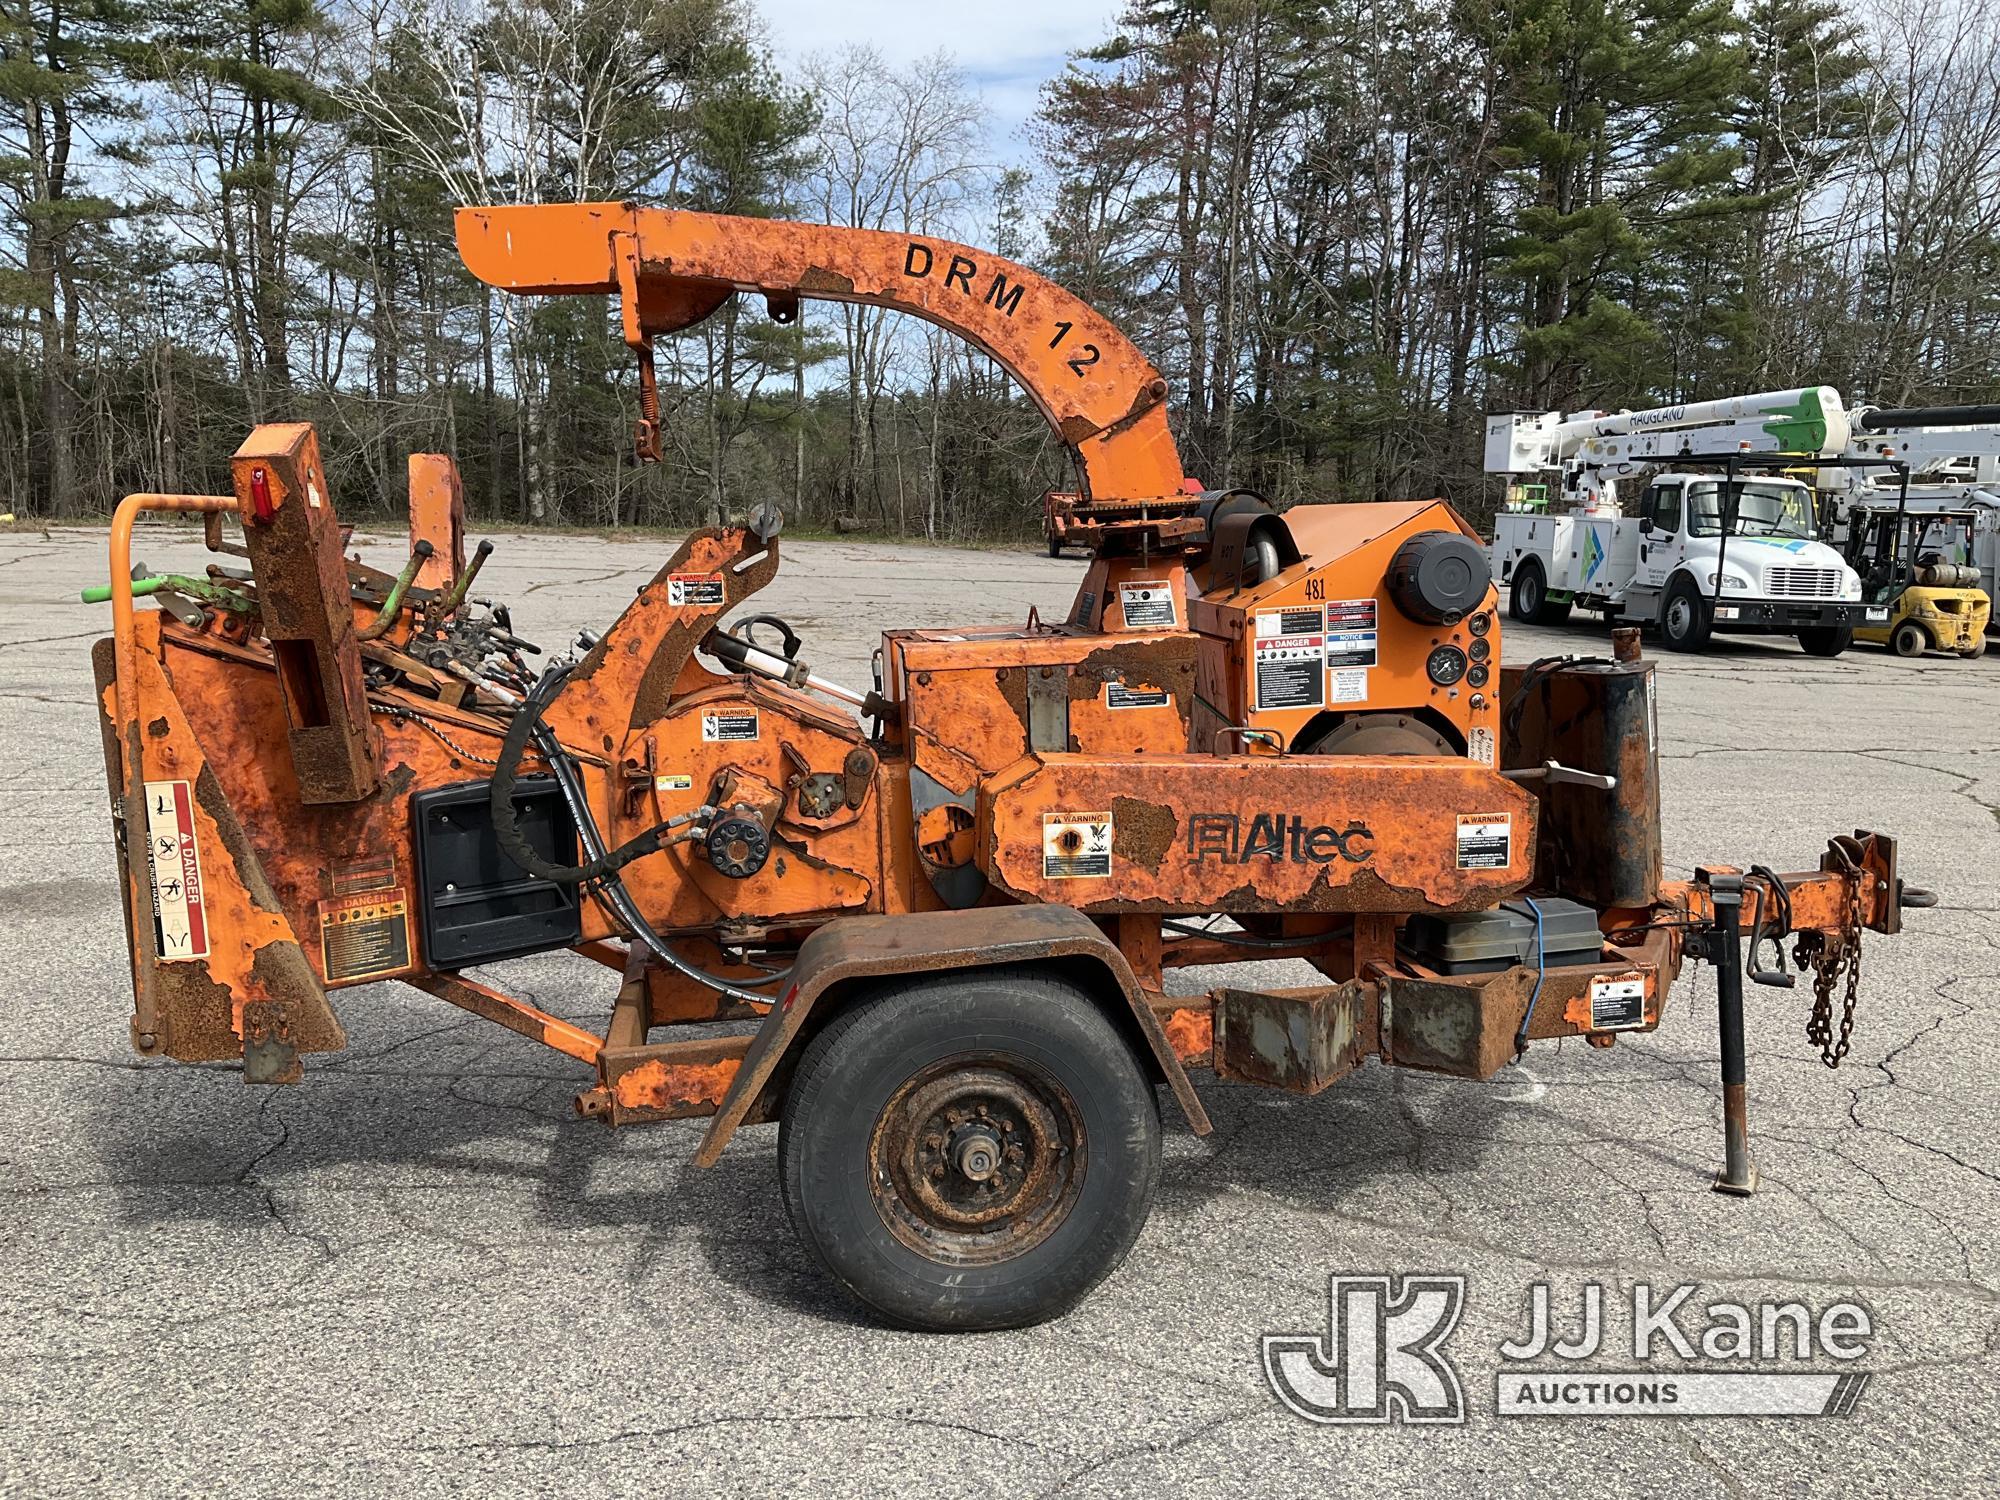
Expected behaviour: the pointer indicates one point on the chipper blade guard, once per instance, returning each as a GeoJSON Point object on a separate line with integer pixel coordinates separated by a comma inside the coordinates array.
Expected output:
{"type": "Point", "coordinates": [949, 899]}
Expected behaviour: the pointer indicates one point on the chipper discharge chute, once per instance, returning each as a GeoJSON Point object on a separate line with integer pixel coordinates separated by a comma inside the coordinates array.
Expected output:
{"type": "Point", "coordinates": [922, 924]}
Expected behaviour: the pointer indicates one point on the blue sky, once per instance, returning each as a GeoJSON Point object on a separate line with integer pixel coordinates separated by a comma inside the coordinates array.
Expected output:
{"type": "Point", "coordinates": [1008, 51]}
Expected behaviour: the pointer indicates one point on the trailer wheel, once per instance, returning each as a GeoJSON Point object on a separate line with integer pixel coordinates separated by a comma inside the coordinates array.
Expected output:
{"type": "Point", "coordinates": [1909, 639]}
{"type": "Point", "coordinates": [1684, 621]}
{"type": "Point", "coordinates": [1528, 598]}
{"type": "Point", "coordinates": [1055, 546]}
{"type": "Point", "coordinates": [967, 1151]}
{"type": "Point", "coordinates": [1825, 640]}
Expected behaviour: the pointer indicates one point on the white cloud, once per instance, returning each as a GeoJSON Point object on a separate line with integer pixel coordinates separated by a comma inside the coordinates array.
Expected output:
{"type": "Point", "coordinates": [1008, 51]}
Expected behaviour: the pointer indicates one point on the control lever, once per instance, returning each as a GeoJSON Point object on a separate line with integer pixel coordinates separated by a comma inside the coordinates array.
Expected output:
{"type": "Point", "coordinates": [463, 582]}
{"type": "Point", "coordinates": [1556, 774]}
{"type": "Point", "coordinates": [392, 603]}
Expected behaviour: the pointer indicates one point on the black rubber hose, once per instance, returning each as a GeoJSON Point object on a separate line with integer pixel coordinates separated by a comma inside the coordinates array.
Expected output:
{"type": "Point", "coordinates": [507, 775]}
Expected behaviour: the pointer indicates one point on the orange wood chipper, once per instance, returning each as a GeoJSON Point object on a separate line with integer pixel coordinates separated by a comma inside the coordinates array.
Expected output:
{"type": "Point", "coordinates": [921, 925]}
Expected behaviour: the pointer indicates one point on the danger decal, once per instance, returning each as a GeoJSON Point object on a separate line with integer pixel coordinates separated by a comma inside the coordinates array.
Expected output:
{"type": "Point", "coordinates": [180, 917]}
{"type": "Point", "coordinates": [363, 936]}
{"type": "Point", "coordinates": [1290, 658]}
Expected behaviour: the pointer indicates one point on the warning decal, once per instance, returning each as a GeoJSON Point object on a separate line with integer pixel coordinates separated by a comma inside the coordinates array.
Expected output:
{"type": "Point", "coordinates": [1294, 619]}
{"type": "Point", "coordinates": [361, 936]}
{"type": "Point", "coordinates": [1350, 633]}
{"type": "Point", "coordinates": [1118, 695]}
{"type": "Point", "coordinates": [670, 782]}
{"type": "Point", "coordinates": [1086, 606]}
{"type": "Point", "coordinates": [1479, 744]}
{"type": "Point", "coordinates": [1290, 656]}
{"type": "Point", "coordinates": [180, 918]}
{"type": "Point", "coordinates": [1076, 846]}
{"type": "Point", "coordinates": [1148, 603]}
{"type": "Point", "coordinates": [1617, 1003]}
{"type": "Point", "coordinates": [701, 590]}
{"type": "Point", "coordinates": [1485, 841]}
{"type": "Point", "coordinates": [718, 729]}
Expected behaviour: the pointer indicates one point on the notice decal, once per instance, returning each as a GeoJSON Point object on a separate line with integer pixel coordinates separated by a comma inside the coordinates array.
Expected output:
{"type": "Point", "coordinates": [1479, 745]}
{"type": "Point", "coordinates": [1350, 684]}
{"type": "Point", "coordinates": [1350, 633]}
{"type": "Point", "coordinates": [1118, 695]}
{"type": "Point", "coordinates": [180, 916]}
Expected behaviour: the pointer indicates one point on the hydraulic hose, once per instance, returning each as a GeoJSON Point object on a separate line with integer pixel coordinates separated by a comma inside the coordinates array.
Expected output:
{"type": "Point", "coordinates": [598, 865]}
{"type": "Point", "coordinates": [507, 775]}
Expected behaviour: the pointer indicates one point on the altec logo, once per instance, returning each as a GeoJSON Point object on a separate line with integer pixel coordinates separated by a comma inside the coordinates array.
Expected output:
{"type": "Point", "coordinates": [1380, 1359]}
{"type": "Point", "coordinates": [1233, 840]}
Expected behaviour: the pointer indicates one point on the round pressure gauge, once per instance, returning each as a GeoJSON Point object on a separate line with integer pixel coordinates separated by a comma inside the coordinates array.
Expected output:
{"type": "Point", "coordinates": [1445, 665]}
{"type": "Point", "coordinates": [1481, 649]}
{"type": "Point", "coordinates": [1480, 623]}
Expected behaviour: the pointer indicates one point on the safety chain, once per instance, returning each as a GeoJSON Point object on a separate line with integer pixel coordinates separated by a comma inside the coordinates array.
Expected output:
{"type": "Point", "coordinates": [457, 749]}
{"type": "Point", "coordinates": [1827, 958]}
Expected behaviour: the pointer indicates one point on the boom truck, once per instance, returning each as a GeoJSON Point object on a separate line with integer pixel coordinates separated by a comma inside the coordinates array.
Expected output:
{"type": "Point", "coordinates": [1721, 537]}
{"type": "Point", "coordinates": [923, 925]}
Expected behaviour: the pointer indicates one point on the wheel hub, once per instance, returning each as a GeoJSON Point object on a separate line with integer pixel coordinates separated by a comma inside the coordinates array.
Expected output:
{"type": "Point", "coordinates": [976, 1161]}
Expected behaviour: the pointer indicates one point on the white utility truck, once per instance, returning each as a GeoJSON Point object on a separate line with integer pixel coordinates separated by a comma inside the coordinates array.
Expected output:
{"type": "Point", "coordinates": [1953, 455]}
{"type": "Point", "coordinates": [1721, 537]}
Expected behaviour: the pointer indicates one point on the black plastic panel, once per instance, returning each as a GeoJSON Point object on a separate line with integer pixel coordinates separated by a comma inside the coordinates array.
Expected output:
{"type": "Point", "coordinates": [478, 905]}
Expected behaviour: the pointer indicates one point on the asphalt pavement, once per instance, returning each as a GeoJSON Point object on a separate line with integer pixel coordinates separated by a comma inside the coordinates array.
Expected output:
{"type": "Point", "coordinates": [419, 1273]}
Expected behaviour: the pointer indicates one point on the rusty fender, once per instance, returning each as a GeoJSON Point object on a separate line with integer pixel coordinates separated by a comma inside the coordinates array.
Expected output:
{"type": "Point", "coordinates": [853, 949]}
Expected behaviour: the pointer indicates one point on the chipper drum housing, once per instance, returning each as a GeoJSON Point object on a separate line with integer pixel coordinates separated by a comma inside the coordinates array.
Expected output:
{"type": "Point", "coordinates": [923, 925]}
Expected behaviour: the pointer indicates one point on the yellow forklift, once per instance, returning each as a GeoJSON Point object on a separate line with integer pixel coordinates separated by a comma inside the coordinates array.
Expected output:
{"type": "Point", "coordinates": [1918, 561]}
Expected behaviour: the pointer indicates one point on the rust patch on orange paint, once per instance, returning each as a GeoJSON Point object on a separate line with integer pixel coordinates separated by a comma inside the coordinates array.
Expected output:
{"type": "Point", "coordinates": [1142, 831]}
{"type": "Point", "coordinates": [655, 1085]}
{"type": "Point", "coordinates": [1192, 1033]}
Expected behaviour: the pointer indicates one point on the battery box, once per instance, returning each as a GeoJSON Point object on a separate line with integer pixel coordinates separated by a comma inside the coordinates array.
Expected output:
{"type": "Point", "coordinates": [1484, 942]}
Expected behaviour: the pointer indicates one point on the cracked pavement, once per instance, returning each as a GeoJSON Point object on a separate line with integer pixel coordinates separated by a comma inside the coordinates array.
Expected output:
{"type": "Point", "coordinates": [417, 1272]}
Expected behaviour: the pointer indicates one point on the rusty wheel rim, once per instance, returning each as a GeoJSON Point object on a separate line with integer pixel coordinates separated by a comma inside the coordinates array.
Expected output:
{"type": "Point", "coordinates": [976, 1159]}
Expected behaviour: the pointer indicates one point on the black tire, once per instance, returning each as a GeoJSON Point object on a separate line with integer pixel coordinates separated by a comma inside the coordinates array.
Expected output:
{"type": "Point", "coordinates": [1825, 640]}
{"type": "Point", "coordinates": [868, 1129]}
{"type": "Point", "coordinates": [1528, 597]}
{"type": "Point", "coordinates": [1055, 546]}
{"type": "Point", "coordinates": [1976, 650]}
{"type": "Point", "coordinates": [1909, 639]}
{"type": "Point", "coordinates": [1684, 618]}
